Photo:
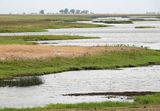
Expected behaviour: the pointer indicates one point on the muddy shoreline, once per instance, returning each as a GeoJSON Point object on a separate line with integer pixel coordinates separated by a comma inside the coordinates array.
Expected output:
{"type": "Point", "coordinates": [111, 93]}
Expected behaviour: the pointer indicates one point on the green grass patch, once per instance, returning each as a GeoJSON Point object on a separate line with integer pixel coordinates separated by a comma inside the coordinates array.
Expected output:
{"type": "Point", "coordinates": [42, 26]}
{"type": "Point", "coordinates": [148, 99]}
{"type": "Point", "coordinates": [29, 39]}
{"type": "Point", "coordinates": [41, 23]}
{"type": "Point", "coordinates": [65, 18]}
{"type": "Point", "coordinates": [81, 106]}
{"type": "Point", "coordinates": [132, 58]}
{"type": "Point", "coordinates": [88, 105]}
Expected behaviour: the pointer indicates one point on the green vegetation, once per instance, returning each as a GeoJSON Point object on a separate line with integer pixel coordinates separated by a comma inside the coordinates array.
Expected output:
{"type": "Point", "coordinates": [64, 18]}
{"type": "Point", "coordinates": [72, 106]}
{"type": "Point", "coordinates": [148, 99]}
{"type": "Point", "coordinates": [132, 58]}
{"type": "Point", "coordinates": [88, 105]}
{"type": "Point", "coordinates": [29, 39]}
{"type": "Point", "coordinates": [41, 26]}
{"type": "Point", "coordinates": [145, 27]}
{"type": "Point", "coordinates": [21, 82]}
{"type": "Point", "coordinates": [37, 23]}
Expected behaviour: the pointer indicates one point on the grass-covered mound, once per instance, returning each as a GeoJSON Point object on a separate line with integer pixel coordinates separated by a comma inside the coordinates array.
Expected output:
{"type": "Point", "coordinates": [102, 60]}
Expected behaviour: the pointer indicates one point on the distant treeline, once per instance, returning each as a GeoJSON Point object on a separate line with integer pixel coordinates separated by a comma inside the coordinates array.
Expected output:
{"type": "Point", "coordinates": [73, 11]}
{"type": "Point", "coordinates": [69, 11]}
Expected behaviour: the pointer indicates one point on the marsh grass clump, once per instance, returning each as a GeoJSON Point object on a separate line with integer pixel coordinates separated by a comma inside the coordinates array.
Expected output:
{"type": "Point", "coordinates": [21, 82]}
{"type": "Point", "coordinates": [148, 99]}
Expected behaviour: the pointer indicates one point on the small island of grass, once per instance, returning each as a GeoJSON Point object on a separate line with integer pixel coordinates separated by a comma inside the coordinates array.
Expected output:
{"type": "Point", "coordinates": [28, 39]}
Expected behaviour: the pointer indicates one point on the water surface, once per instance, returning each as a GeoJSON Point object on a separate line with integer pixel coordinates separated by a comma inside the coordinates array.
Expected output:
{"type": "Point", "coordinates": [127, 79]}
{"type": "Point", "coordinates": [117, 34]}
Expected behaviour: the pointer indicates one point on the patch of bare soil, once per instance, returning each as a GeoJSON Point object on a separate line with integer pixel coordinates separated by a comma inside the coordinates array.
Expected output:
{"type": "Point", "coordinates": [37, 51]}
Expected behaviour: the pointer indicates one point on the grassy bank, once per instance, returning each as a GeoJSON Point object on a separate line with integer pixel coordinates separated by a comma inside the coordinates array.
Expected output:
{"type": "Point", "coordinates": [148, 99]}
{"type": "Point", "coordinates": [142, 27]}
{"type": "Point", "coordinates": [153, 99]}
{"type": "Point", "coordinates": [103, 60]}
{"type": "Point", "coordinates": [40, 26]}
{"type": "Point", "coordinates": [139, 104]}
{"type": "Point", "coordinates": [38, 23]}
{"type": "Point", "coordinates": [28, 39]}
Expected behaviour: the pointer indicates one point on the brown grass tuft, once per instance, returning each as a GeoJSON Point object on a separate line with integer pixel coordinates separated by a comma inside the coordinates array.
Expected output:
{"type": "Point", "coordinates": [8, 52]}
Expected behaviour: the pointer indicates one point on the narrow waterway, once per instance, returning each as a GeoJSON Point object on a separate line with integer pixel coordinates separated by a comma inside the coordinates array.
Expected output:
{"type": "Point", "coordinates": [117, 34]}
{"type": "Point", "coordinates": [55, 85]}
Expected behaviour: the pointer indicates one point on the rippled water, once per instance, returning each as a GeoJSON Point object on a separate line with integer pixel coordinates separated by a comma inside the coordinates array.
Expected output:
{"type": "Point", "coordinates": [117, 34]}
{"type": "Point", "coordinates": [127, 79]}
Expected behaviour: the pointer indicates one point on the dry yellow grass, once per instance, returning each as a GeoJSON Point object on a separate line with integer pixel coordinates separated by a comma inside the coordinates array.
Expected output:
{"type": "Point", "coordinates": [37, 51]}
